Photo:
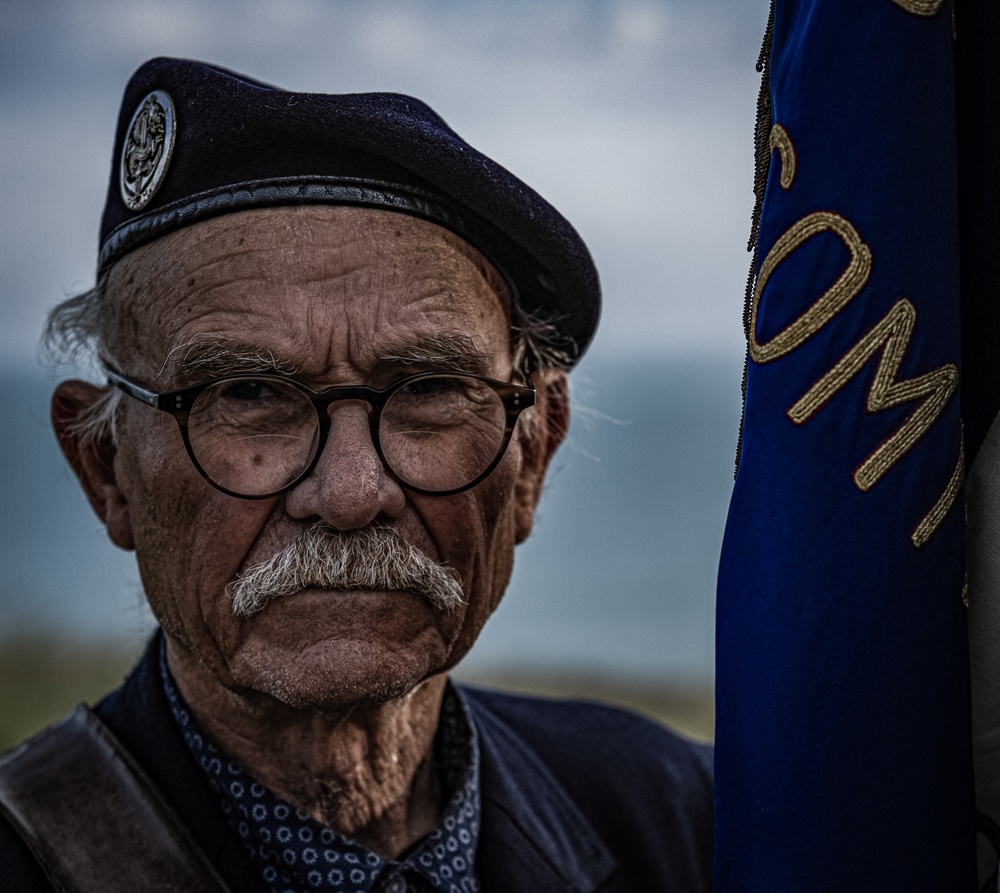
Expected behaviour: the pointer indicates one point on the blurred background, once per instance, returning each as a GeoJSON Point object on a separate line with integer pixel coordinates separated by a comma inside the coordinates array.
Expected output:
{"type": "Point", "coordinates": [633, 117]}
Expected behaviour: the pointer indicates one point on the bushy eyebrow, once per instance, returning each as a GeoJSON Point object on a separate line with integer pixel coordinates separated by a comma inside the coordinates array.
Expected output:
{"type": "Point", "coordinates": [447, 351]}
{"type": "Point", "coordinates": [213, 356]}
{"type": "Point", "coordinates": [216, 355]}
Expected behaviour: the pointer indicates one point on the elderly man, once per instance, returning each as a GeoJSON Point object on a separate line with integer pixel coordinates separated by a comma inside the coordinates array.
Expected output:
{"type": "Point", "coordinates": [336, 339]}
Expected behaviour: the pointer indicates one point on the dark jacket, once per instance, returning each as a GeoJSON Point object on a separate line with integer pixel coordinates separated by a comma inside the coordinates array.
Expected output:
{"type": "Point", "coordinates": [575, 796]}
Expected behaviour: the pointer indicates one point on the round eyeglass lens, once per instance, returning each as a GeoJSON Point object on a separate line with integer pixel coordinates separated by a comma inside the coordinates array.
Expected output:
{"type": "Point", "coordinates": [441, 432]}
{"type": "Point", "coordinates": [253, 436]}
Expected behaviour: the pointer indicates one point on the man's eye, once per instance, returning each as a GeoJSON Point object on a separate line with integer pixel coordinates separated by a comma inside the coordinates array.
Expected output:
{"type": "Point", "coordinates": [430, 387]}
{"type": "Point", "coordinates": [241, 390]}
{"type": "Point", "coordinates": [244, 389]}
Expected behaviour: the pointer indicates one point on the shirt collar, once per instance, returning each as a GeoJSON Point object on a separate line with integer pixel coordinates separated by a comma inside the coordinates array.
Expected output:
{"type": "Point", "coordinates": [295, 853]}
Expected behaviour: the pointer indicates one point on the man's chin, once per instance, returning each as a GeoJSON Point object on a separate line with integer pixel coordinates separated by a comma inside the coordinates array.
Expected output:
{"type": "Point", "coordinates": [339, 670]}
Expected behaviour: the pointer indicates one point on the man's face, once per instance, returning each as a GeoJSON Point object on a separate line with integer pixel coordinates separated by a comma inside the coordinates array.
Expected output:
{"type": "Point", "coordinates": [336, 296]}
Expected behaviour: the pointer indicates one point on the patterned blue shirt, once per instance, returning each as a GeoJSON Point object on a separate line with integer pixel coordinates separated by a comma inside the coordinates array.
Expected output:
{"type": "Point", "coordinates": [297, 854]}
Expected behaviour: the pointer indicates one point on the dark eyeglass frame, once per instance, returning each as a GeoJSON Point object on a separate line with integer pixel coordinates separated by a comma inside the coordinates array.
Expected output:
{"type": "Point", "coordinates": [178, 403]}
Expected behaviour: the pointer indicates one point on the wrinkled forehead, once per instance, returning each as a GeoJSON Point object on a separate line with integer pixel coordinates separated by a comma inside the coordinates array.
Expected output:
{"type": "Point", "coordinates": [289, 262]}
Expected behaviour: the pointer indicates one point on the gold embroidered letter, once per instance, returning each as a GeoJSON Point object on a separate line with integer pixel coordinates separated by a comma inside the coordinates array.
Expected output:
{"type": "Point", "coordinates": [830, 303]}
{"type": "Point", "coordinates": [935, 388]}
{"type": "Point", "coordinates": [780, 140]}
{"type": "Point", "coordinates": [932, 520]}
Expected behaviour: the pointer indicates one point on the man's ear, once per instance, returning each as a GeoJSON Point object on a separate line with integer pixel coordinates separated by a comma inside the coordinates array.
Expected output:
{"type": "Point", "coordinates": [539, 442]}
{"type": "Point", "coordinates": [91, 454]}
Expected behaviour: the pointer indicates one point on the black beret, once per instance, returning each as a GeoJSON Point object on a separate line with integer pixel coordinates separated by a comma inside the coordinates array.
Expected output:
{"type": "Point", "coordinates": [195, 141]}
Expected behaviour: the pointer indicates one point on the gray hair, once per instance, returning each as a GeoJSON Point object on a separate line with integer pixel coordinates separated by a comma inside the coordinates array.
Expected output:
{"type": "Point", "coordinates": [80, 330]}
{"type": "Point", "coordinates": [79, 327]}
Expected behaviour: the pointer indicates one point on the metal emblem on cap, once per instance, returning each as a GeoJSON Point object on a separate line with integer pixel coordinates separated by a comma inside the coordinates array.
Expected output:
{"type": "Point", "coordinates": [149, 144]}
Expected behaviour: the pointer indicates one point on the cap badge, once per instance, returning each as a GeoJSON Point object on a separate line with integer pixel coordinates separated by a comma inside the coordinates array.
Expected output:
{"type": "Point", "coordinates": [149, 144]}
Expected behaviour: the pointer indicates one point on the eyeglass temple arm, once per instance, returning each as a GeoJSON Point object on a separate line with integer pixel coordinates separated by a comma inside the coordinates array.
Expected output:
{"type": "Point", "coordinates": [134, 390]}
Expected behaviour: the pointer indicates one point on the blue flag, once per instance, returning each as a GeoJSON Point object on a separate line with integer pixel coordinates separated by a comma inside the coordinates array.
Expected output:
{"type": "Point", "coordinates": [843, 739]}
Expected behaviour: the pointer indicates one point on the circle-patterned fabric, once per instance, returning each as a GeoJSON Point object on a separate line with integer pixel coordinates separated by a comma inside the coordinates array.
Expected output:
{"type": "Point", "coordinates": [297, 854]}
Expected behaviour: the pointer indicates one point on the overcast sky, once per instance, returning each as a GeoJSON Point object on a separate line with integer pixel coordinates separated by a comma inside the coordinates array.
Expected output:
{"type": "Point", "coordinates": [634, 117]}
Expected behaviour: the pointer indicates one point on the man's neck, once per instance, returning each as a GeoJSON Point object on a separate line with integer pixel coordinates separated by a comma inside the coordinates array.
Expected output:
{"type": "Point", "coordinates": [367, 772]}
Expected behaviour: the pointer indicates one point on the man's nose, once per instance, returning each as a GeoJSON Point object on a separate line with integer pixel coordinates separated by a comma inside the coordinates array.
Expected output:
{"type": "Point", "coordinates": [349, 487]}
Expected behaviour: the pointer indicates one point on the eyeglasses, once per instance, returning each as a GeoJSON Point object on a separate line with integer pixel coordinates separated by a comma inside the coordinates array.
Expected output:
{"type": "Point", "coordinates": [255, 436]}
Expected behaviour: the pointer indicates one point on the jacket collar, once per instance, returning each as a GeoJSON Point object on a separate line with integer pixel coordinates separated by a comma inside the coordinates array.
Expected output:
{"type": "Point", "coordinates": [533, 837]}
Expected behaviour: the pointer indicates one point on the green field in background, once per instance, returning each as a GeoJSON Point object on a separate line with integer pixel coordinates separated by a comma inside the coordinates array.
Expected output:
{"type": "Point", "coordinates": [40, 681]}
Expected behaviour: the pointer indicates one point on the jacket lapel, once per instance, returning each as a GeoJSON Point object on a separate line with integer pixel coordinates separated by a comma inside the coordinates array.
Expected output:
{"type": "Point", "coordinates": [533, 836]}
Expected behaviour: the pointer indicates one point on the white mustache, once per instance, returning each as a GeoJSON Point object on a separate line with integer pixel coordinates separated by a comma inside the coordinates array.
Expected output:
{"type": "Point", "coordinates": [373, 557]}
